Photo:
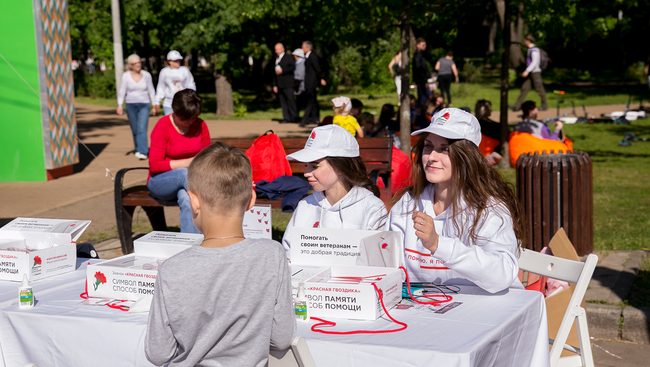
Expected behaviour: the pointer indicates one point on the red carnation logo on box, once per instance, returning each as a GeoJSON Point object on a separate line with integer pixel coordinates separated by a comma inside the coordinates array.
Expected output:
{"type": "Point", "coordinates": [37, 261]}
{"type": "Point", "coordinates": [100, 278]}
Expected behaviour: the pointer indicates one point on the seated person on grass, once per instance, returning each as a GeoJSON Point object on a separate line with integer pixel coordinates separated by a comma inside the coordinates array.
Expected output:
{"type": "Point", "coordinates": [536, 128]}
{"type": "Point", "coordinates": [225, 302]}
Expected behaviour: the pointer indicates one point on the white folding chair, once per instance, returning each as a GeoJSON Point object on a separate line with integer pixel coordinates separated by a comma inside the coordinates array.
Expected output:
{"type": "Point", "coordinates": [573, 272]}
{"type": "Point", "coordinates": [296, 356]}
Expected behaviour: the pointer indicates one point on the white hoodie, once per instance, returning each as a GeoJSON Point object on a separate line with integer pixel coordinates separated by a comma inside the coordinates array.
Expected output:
{"type": "Point", "coordinates": [358, 209]}
{"type": "Point", "coordinates": [490, 263]}
{"type": "Point", "coordinates": [171, 81]}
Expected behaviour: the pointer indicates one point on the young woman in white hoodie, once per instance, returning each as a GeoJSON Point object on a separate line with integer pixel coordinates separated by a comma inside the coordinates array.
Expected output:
{"type": "Point", "coordinates": [461, 221]}
{"type": "Point", "coordinates": [343, 195]}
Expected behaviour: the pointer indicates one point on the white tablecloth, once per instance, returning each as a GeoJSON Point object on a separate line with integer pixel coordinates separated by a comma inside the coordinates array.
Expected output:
{"type": "Point", "coordinates": [508, 329]}
{"type": "Point", "coordinates": [41, 288]}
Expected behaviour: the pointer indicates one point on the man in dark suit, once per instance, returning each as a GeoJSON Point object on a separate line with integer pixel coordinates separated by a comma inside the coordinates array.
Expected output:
{"type": "Point", "coordinates": [283, 84]}
{"type": "Point", "coordinates": [421, 71]}
{"type": "Point", "coordinates": [312, 80]}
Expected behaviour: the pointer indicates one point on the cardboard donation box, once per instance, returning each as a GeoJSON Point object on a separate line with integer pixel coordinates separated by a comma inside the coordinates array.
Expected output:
{"type": "Point", "coordinates": [345, 264]}
{"type": "Point", "coordinates": [257, 222]}
{"type": "Point", "coordinates": [557, 304]}
{"type": "Point", "coordinates": [347, 292]}
{"type": "Point", "coordinates": [131, 277]}
{"type": "Point", "coordinates": [39, 247]}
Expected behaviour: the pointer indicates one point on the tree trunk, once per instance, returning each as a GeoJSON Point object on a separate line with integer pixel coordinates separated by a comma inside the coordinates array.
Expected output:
{"type": "Point", "coordinates": [405, 75]}
{"type": "Point", "coordinates": [225, 102]}
{"type": "Point", "coordinates": [516, 37]}
{"type": "Point", "coordinates": [503, 120]}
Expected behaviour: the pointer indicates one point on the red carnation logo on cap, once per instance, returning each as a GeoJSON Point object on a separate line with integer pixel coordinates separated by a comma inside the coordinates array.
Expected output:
{"type": "Point", "coordinates": [313, 135]}
{"type": "Point", "coordinates": [446, 116]}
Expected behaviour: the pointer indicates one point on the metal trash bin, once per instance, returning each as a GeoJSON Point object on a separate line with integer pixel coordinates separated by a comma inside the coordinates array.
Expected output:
{"type": "Point", "coordinates": [556, 191]}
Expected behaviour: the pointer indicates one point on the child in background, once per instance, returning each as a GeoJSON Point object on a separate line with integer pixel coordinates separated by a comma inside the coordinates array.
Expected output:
{"type": "Point", "coordinates": [223, 303]}
{"type": "Point", "coordinates": [342, 106]}
{"type": "Point", "coordinates": [343, 195]}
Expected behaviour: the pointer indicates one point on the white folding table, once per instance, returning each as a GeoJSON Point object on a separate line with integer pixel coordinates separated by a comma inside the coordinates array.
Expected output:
{"type": "Point", "coordinates": [506, 329]}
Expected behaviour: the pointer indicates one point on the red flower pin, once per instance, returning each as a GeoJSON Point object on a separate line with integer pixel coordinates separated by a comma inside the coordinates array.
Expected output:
{"type": "Point", "coordinates": [446, 116]}
{"type": "Point", "coordinates": [37, 261]}
{"type": "Point", "coordinates": [252, 211]}
{"type": "Point", "coordinates": [100, 278]}
{"type": "Point", "coordinates": [384, 246]}
{"type": "Point", "coordinates": [316, 225]}
{"type": "Point", "coordinates": [267, 229]}
{"type": "Point", "coordinates": [266, 222]}
{"type": "Point", "coordinates": [259, 221]}
{"type": "Point", "coordinates": [258, 212]}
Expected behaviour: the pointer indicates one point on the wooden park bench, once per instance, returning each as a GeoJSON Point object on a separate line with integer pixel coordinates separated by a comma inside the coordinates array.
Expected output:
{"type": "Point", "coordinates": [376, 154]}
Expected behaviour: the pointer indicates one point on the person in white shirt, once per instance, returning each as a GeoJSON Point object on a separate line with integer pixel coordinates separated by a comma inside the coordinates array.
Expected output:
{"type": "Point", "coordinates": [343, 195]}
{"type": "Point", "coordinates": [172, 79]}
{"type": "Point", "coordinates": [533, 75]}
{"type": "Point", "coordinates": [461, 221]}
{"type": "Point", "coordinates": [137, 87]}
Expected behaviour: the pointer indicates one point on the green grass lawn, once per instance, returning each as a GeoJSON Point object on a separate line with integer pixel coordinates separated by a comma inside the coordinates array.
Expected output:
{"type": "Point", "coordinates": [621, 183]}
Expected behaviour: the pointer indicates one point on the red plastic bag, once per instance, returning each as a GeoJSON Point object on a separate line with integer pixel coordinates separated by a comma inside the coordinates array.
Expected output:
{"type": "Point", "coordinates": [268, 158]}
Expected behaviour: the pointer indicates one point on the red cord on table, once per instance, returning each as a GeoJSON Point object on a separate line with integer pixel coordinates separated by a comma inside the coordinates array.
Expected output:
{"type": "Point", "coordinates": [434, 302]}
{"type": "Point", "coordinates": [113, 304]}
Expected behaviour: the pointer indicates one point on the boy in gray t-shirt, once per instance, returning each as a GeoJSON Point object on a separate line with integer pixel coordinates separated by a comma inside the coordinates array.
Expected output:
{"type": "Point", "coordinates": [227, 301]}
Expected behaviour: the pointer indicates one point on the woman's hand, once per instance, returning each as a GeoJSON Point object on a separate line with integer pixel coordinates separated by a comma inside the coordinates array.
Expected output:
{"type": "Point", "coordinates": [120, 111]}
{"type": "Point", "coordinates": [180, 163]}
{"type": "Point", "coordinates": [425, 230]}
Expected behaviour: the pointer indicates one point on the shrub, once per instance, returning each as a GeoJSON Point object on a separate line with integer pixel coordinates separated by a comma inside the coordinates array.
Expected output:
{"type": "Point", "coordinates": [95, 85]}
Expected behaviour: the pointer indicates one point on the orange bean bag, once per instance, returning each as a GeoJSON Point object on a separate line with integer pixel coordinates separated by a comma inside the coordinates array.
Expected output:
{"type": "Point", "coordinates": [487, 145]}
{"type": "Point", "coordinates": [522, 143]}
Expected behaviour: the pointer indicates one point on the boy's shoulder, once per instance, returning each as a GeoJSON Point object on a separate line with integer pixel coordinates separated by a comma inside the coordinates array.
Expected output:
{"type": "Point", "coordinates": [262, 247]}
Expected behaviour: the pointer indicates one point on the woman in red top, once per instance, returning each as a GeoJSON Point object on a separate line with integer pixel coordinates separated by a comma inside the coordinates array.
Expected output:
{"type": "Point", "coordinates": [175, 141]}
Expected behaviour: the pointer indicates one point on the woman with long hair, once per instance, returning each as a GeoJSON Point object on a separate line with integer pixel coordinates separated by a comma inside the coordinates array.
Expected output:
{"type": "Point", "coordinates": [461, 221]}
{"type": "Point", "coordinates": [343, 195]}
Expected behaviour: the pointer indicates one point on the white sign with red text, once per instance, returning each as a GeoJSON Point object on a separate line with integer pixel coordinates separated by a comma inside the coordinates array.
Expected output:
{"type": "Point", "coordinates": [257, 222]}
{"type": "Point", "coordinates": [17, 259]}
{"type": "Point", "coordinates": [348, 292]}
{"type": "Point", "coordinates": [133, 276]}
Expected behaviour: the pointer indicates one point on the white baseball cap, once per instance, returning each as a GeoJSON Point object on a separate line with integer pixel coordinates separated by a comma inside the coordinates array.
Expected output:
{"type": "Point", "coordinates": [299, 52]}
{"type": "Point", "coordinates": [174, 55]}
{"type": "Point", "coordinates": [454, 123]}
{"type": "Point", "coordinates": [327, 141]}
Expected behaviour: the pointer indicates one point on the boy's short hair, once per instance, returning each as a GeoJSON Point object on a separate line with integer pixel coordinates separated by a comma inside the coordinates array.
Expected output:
{"type": "Point", "coordinates": [450, 53]}
{"type": "Point", "coordinates": [221, 176]}
{"type": "Point", "coordinates": [530, 38]}
{"type": "Point", "coordinates": [419, 40]}
{"type": "Point", "coordinates": [356, 103]}
{"type": "Point", "coordinates": [527, 107]}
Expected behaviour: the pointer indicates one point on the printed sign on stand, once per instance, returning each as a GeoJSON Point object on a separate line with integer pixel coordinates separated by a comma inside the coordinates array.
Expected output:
{"type": "Point", "coordinates": [348, 292]}
{"type": "Point", "coordinates": [133, 276]}
{"type": "Point", "coordinates": [257, 222]}
{"type": "Point", "coordinates": [39, 247]}
{"type": "Point", "coordinates": [326, 246]}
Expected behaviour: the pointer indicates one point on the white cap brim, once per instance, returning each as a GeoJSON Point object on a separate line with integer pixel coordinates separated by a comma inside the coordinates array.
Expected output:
{"type": "Point", "coordinates": [306, 155]}
{"type": "Point", "coordinates": [440, 131]}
